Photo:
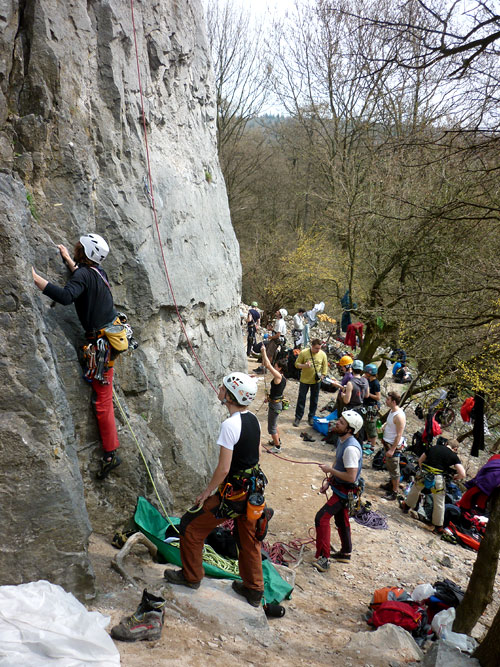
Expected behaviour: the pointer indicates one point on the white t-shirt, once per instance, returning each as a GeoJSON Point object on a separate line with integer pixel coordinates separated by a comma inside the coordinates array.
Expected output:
{"type": "Point", "coordinates": [351, 457]}
{"type": "Point", "coordinates": [280, 326]}
{"type": "Point", "coordinates": [230, 430]}
{"type": "Point", "coordinates": [298, 322]}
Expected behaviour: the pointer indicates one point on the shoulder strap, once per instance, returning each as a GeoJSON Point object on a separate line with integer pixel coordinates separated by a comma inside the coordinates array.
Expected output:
{"type": "Point", "coordinates": [102, 277]}
{"type": "Point", "coordinates": [312, 359]}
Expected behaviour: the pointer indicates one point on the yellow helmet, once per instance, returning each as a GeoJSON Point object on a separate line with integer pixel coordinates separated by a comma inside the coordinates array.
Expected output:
{"type": "Point", "coordinates": [346, 360]}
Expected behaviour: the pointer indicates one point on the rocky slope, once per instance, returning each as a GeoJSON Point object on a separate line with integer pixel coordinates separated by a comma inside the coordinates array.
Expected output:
{"type": "Point", "coordinates": [73, 161]}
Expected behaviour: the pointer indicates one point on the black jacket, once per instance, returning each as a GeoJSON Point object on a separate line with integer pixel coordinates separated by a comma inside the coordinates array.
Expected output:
{"type": "Point", "coordinates": [90, 294]}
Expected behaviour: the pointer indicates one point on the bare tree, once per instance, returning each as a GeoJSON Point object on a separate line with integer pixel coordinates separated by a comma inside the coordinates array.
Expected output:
{"type": "Point", "coordinates": [242, 68]}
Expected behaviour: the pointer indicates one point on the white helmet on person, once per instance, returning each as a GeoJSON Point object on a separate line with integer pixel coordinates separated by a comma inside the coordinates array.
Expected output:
{"type": "Point", "coordinates": [241, 386]}
{"type": "Point", "coordinates": [95, 247]}
{"type": "Point", "coordinates": [354, 420]}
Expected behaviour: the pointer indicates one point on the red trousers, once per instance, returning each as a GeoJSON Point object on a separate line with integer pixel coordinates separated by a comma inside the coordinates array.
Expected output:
{"type": "Point", "coordinates": [104, 411]}
{"type": "Point", "coordinates": [195, 530]}
{"type": "Point", "coordinates": [336, 507]}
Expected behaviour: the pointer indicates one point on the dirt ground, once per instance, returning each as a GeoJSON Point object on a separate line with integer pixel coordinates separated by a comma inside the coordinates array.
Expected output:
{"type": "Point", "coordinates": [325, 609]}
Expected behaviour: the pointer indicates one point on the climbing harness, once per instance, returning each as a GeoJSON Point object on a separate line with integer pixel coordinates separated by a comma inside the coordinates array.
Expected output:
{"type": "Point", "coordinates": [235, 492]}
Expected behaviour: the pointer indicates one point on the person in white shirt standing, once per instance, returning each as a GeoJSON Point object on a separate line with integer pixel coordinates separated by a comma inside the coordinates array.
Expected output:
{"type": "Point", "coordinates": [393, 441]}
{"type": "Point", "coordinates": [298, 327]}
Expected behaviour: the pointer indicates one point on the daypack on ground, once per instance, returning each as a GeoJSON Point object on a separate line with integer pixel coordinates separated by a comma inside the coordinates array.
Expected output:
{"type": "Point", "coordinates": [388, 593]}
{"type": "Point", "coordinates": [402, 614]}
{"type": "Point", "coordinates": [378, 462]}
{"type": "Point", "coordinates": [449, 592]}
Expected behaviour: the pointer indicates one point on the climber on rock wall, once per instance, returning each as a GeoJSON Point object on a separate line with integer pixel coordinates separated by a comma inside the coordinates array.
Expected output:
{"type": "Point", "coordinates": [88, 288]}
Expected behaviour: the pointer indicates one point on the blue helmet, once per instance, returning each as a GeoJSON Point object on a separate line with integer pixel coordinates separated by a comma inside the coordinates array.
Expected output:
{"type": "Point", "coordinates": [371, 368]}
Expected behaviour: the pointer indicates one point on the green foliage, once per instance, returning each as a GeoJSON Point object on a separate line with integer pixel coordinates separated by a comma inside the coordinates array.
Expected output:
{"type": "Point", "coordinates": [31, 204]}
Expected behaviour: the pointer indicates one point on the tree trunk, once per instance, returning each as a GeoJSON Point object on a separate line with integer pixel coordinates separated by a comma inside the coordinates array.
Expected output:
{"type": "Point", "coordinates": [488, 651]}
{"type": "Point", "coordinates": [479, 592]}
{"type": "Point", "coordinates": [372, 339]}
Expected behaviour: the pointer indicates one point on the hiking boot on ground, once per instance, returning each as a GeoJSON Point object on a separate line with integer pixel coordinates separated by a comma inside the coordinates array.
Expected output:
{"type": "Point", "coordinates": [177, 577]}
{"type": "Point", "coordinates": [321, 564]}
{"type": "Point", "coordinates": [310, 421]}
{"type": "Point", "coordinates": [390, 495]}
{"type": "Point", "coordinates": [109, 462]}
{"type": "Point", "coordinates": [340, 557]}
{"type": "Point", "coordinates": [275, 450]}
{"type": "Point", "coordinates": [145, 624]}
{"type": "Point", "coordinates": [296, 422]}
{"type": "Point", "coordinates": [252, 596]}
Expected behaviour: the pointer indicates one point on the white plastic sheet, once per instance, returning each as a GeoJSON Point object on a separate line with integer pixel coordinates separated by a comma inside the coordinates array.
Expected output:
{"type": "Point", "coordinates": [43, 626]}
{"type": "Point", "coordinates": [422, 592]}
{"type": "Point", "coordinates": [442, 624]}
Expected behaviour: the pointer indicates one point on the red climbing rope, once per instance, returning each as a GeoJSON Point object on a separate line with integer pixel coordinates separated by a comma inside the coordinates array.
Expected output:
{"type": "Point", "coordinates": [283, 458]}
{"type": "Point", "coordinates": [153, 205]}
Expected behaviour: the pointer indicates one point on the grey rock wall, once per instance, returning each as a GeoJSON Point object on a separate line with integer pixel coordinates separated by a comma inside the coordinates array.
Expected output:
{"type": "Point", "coordinates": [72, 160]}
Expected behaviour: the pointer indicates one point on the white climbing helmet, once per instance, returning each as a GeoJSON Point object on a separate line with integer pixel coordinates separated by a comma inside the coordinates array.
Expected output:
{"type": "Point", "coordinates": [241, 386]}
{"type": "Point", "coordinates": [354, 420]}
{"type": "Point", "coordinates": [95, 247]}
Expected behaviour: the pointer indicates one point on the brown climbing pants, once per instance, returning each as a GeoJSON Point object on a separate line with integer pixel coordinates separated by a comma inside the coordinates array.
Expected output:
{"type": "Point", "coordinates": [196, 527]}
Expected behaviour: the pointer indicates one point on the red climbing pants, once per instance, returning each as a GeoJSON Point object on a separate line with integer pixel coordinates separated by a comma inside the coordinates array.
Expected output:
{"type": "Point", "coordinates": [104, 411]}
{"type": "Point", "coordinates": [337, 508]}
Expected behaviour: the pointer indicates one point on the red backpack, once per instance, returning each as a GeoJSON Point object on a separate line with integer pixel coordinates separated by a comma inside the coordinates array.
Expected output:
{"type": "Point", "coordinates": [397, 613]}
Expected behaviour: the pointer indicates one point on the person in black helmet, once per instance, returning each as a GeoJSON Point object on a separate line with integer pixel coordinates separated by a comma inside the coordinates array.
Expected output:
{"type": "Point", "coordinates": [88, 288]}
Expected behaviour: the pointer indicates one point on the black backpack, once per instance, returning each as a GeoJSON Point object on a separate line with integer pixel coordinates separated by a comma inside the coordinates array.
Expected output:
{"type": "Point", "coordinates": [449, 592]}
{"type": "Point", "coordinates": [291, 371]}
{"type": "Point", "coordinates": [417, 444]}
{"type": "Point", "coordinates": [378, 462]}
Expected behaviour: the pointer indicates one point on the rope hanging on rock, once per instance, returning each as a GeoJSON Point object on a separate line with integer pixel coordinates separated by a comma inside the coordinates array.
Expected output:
{"type": "Point", "coordinates": [122, 411]}
{"type": "Point", "coordinates": [153, 205]}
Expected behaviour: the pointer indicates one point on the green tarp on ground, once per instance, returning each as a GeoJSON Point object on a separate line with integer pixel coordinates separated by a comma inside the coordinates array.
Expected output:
{"type": "Point", "coordinates": [153, 525]}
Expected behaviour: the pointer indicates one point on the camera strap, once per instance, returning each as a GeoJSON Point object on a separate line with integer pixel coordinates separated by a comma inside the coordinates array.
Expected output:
{"type": "Point", "coordinates": [314, 366]}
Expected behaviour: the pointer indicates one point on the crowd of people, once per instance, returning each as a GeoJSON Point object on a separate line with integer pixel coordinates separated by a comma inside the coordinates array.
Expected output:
{"type": "Point", "coordinates": [358, 406]}
{"type": "Point", "coordinates": [235, 490]}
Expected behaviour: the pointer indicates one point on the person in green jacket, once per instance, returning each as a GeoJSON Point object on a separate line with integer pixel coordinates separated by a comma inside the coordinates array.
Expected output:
{"type": "Point", "coordinates": [314, 366]}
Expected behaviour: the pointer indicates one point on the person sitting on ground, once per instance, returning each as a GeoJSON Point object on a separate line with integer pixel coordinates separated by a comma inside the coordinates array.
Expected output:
{"type": "Point", "coordinates": [403, 375]}
{"type": "Point", "coordinates": [314, 365]}
{"type": "Point", "coordinates": [239, 446]}
{"type": "Point", "coordinates": [343, 477]}
{"type": "Point", "coordinates": [355, 391]}
{"type": "Point", "coordinates": [371, 404]}
{"type": "Point", "coordinates": [88, 288]}
{"type": "Point", "coordinates": [434, 466]}
{"type": "Point", "coordinates": [393, 442]}
{"type": "Point", "coordinates": [253, 323]}
{"type": "Point", "coordinates": [275, 399]}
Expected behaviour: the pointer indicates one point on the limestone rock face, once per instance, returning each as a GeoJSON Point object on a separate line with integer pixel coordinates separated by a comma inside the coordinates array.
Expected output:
{"type": "Point", "coordinates": [73, 160]}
